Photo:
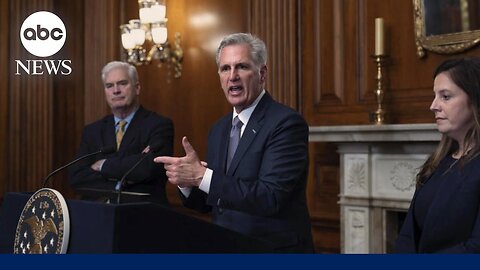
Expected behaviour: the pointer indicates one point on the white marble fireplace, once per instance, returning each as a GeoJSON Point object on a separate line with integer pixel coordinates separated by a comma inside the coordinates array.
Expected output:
{"type": "Point", "coordinates": [378, 165]}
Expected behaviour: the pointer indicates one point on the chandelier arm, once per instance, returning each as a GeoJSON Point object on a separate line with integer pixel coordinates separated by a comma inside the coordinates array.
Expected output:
{"type": "Point", "coordinates": [151, 53]}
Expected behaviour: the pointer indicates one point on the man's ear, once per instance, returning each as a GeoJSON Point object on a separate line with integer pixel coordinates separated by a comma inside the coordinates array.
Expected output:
{"type": "Point", "coordinates": [263, 73]}
{"type": "Point", "coordinates": [137, 88]}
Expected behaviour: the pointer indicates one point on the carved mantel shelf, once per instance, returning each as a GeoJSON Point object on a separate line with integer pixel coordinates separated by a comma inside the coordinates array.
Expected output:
{"type": "Point", "coordinates": [378, 165]}
{"type": "Point", "coordinates": [375, 133]}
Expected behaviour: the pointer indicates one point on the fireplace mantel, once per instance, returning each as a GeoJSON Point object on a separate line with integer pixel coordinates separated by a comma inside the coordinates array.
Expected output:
{"type": "Point", "coordinates": [378, 164]}
{"type": "Point", "coordinates": [375, 133]}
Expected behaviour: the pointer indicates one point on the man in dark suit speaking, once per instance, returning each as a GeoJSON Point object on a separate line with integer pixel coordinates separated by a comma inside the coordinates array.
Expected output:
{"type": "Point", "coordinates": [255, 176]}
{"type": "Point", "coordinates": [132, 129]}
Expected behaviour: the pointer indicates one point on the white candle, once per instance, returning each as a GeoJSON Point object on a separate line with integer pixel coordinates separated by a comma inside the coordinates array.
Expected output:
{"type": "Point", "coordinates": [379, 36]}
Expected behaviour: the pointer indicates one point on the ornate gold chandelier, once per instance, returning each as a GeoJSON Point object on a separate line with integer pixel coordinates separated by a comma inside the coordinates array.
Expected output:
{"type": "Point", "coordinates": [151, 30]}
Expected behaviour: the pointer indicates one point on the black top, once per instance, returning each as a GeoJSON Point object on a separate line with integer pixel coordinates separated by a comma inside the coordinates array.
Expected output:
{"type": "Point", "coordinates": [444, 216]}
{"type": "Point", "coordinates": [426, 194]}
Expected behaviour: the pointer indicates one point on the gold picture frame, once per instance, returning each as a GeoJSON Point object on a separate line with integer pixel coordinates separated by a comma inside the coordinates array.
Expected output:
{"type": "Point", "coordinates": [441, 42]}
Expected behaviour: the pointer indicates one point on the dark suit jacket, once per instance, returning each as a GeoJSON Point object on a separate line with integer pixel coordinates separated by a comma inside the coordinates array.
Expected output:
{"type": "Point", "coordinates": [452, 224]}
{"type": "Point", "coordinates": [145, 129]}
{"type": "Point", "coordinates": [263, 192]}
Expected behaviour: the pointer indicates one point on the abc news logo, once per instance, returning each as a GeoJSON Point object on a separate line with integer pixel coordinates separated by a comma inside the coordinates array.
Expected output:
{"type": "Point", "coordinates": [43, 34]}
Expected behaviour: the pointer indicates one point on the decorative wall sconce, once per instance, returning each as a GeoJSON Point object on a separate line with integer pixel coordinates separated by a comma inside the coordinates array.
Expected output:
{"type": "Point", "coordinates": [151, 30]}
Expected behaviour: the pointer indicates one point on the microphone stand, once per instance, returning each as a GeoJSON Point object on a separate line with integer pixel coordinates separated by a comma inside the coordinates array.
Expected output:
{"type": "Point", "coordinates": [123, 180]}
{"type": "Point", "coordinates": [105, 150]}
{"type": "Point", "coordinates": [154, 148]}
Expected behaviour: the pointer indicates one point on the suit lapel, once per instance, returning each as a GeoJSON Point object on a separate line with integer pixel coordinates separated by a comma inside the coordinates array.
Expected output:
{"type": "Point", "coordinates": [251, 130]}
{"type": "Point", "coordinates": [108, 132]}
{"type": "Point", "coordinates": [224, 140]}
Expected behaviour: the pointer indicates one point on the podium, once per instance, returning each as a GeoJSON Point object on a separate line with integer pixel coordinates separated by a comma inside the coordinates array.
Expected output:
{"type": "Point", "coordinates": [132, 228]}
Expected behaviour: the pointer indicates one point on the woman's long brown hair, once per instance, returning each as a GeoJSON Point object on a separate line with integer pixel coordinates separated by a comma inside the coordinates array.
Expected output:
{"type": "Point", "coordinates": [465, 73]}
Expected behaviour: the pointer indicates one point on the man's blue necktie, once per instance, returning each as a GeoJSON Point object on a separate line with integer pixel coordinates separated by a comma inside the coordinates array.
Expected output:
{"type": "Point", "coordinates": [234, 139]}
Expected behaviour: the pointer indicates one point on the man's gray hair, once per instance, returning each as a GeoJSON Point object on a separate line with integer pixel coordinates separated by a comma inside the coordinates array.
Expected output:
{"type": "Point", "coordinates": [258, 50]}
{"type": "Point", "coordinates": [131, 70]}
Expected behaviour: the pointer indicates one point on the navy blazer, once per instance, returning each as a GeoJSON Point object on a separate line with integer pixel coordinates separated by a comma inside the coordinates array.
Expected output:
{"type": "Point", "coordinates": [263, 192]}
{"type": "Point", "coordinates": [452, 223]}
{"type": "Point", "coordinates": [145, 129]}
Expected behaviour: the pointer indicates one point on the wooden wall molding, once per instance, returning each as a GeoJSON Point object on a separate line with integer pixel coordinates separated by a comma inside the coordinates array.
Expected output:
{"type": "Point", "coordinates": [276, 22]}
{"type": "Point", "coordinates": [327, 28]}
{"type": "Point", "coordinates": [101, 45]}
{"type": "Point", "coordinates": [4, 93]}
{"type": "Point", "coordinates": [326, 61]}
{"type": "Point", "coordinates": [30, 110]}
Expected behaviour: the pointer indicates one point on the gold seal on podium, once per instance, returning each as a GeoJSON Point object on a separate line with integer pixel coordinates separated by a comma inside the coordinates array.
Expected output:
{"type": "Point", "coordinates": [44, 225]}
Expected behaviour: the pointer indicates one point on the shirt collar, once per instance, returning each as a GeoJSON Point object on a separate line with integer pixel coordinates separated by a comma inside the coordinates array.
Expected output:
{"type": "Point", "coordinates": [245, 114]}
{"type": "Point", "coordinates": [128, 118]}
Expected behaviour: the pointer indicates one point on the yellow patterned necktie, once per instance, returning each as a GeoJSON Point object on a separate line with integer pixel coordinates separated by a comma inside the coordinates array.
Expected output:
{"type": "Point", "coordinates": [120, 132]}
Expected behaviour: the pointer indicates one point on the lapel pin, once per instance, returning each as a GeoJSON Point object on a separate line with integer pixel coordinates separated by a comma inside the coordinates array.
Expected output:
{"type": "Point", "coordinates": [254, 131]}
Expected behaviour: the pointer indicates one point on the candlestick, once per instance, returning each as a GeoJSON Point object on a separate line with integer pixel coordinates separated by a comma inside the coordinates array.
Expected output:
{"type": "Point", "coordinates": [379, 114]}
{"type": "Point", "coordinates": [379, 36]}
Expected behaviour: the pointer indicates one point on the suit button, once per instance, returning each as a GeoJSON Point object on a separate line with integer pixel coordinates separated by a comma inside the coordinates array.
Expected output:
{"type": "Point", "coordinates": [220, 209]}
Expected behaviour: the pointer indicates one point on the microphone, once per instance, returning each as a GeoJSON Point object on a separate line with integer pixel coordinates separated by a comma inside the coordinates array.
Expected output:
{"type": "Point", "coordinates": [103, 150]}
{"type": "Point", "coordinates": [154, 147]}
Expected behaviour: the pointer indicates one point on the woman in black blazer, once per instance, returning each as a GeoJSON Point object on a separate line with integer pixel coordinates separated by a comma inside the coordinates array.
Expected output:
{"type": "Point", "coordinates": [444, 216]}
